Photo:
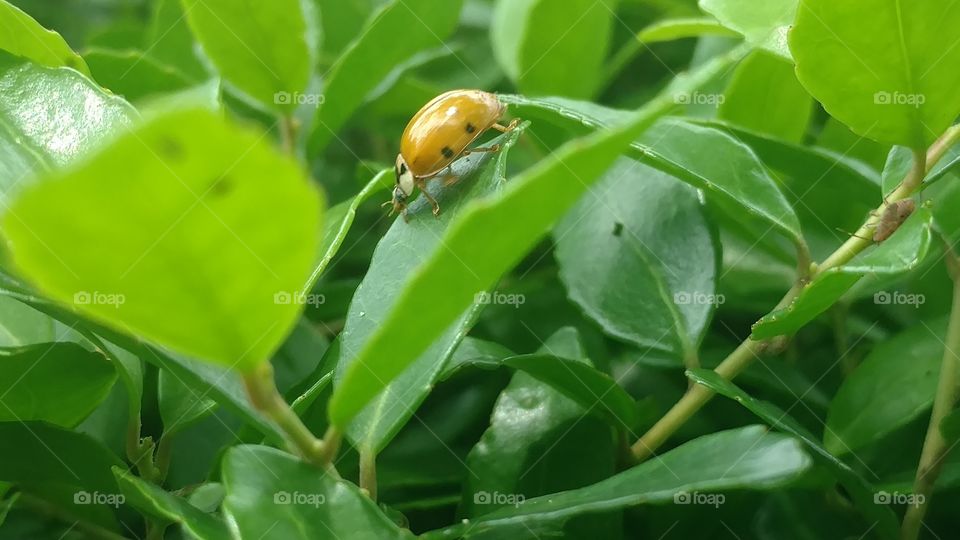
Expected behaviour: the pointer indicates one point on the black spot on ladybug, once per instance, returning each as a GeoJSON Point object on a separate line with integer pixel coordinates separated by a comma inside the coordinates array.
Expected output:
{"type": "Point", "coordinates": [617, 228]}
{"type": "Point", "coordinates": [447, 152]}
{"type": "Point", "coordinates": [402, 169]}
{"type": "Point", "coordinates": [220, 186]}
{"type": "Point", "coordinates": [470, 128]}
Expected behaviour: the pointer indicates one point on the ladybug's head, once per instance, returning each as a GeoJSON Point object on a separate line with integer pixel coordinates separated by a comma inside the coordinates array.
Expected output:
{"type": "Point", "coordinates": [403, 188]}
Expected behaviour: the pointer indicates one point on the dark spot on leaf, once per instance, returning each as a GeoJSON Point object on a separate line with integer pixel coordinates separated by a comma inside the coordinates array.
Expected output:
{"type": "Point", "coordinates": [470, 128]}
{"type": "Point", "coordinates": [617, 229]}
{"type": "Point", "coordinates": [169, 149]}
{"type": "Point", "coordinates": [447, 152]}
{"type": "Point", "coordinates": [220, 186]}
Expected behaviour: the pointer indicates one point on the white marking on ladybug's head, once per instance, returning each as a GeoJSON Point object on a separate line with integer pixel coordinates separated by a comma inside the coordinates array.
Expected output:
{"type": "Point", "coordinates": [404, 177]}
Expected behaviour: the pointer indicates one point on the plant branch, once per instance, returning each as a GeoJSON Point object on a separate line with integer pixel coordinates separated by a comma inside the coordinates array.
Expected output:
{"type": "Point", "coordinates": [266, 398]}
{"type": "Point", "coordinates": [288, 134]}
{"type": "Point", "coordinates": [743, 355]}
{"type": "Point", "coordinates": [368, 472]}
{"type": "Point", "coordinates": [935, 447]}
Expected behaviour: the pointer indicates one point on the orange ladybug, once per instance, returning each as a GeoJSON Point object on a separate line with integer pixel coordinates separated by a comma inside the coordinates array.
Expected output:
{"type": "Point", "coordinates": [439, 134]}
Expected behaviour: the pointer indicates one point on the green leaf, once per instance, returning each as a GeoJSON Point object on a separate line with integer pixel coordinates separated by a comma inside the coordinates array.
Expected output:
{"type": "Point", "coordinates": [342, 22]}
{"type": "Point", "coordinates": [672, 29]}
{"type": "Point", "coordinates": [473, 352]}
{"type": "Point", "coordinates": [133, 75]}
{"type": "Point", "coordinates": [856, 485]}
{"type": "Point", "coordinates": [405, 246]}
{"type": "Point", "coordinates": [764, 95]}
{"type": "Point", "coordinates": [536, 44]}
{"type": "Point", "coordinates": [898, 254]}
{"type": "Point", "coordinates": [534, 429]}
{"type": "Point", "coordinates": [169, 40]}
{"type": "Point", "coordinates": [219, 383]}
{"type": "Point", "coordinates": [108, 236]}
{"type": "Point", "coordinates": [38, 454]}
{"type": "Point", "coordinates": [900, 161]}
{"type": "Point", "coordinates": [264, 50]}
{"type": "Point", "coordinates": [899, 79]}
{"type": "Point", "coordinates": [745, 458]}
{"type": "Point", "coordinates": [272, 495]}
{"type": "Point", "coordinates": [5, 506]}
{"type": "Point", "coordinates": [763, 25]}
{"type": "Point", "coordinates": [128, 366]}
{"type": "Point", "coordinates": [179, 404]}
{"type": "Point", "coordinates": [488, 239]}
{"type": "Point", "coordinates": [801, 161]}
{"type": "Point", "coordinates": [646, 292]}
{"type": "Point", "coordinates": [21, 35]}
{"type": "Point", "coordinates": [168, 508]}
{"type": "Point", "coordinates": [22, 325]}
{"type": "Point", "coordinates": [337, 224]}
{"type": "Point", "coordinates": [892, 386]}
{"type": "Point", "coordinates": [593, 390]}
{"type": "Point", "coordinates": [48, 117]}
{"type": "Point", "coordinates": [704, 158]}
{"type": "Point", "coordinates": [394, 33]}
{"type": "Point", "coordinates": [60, 383]}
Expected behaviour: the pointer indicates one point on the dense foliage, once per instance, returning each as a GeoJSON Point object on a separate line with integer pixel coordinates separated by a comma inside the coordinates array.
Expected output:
{"type": "Point", "coordinates": [707, 286]}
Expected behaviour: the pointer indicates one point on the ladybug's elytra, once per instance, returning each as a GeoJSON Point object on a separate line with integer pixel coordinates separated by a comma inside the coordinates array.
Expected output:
{"type": "Point", "coordinates": [439, 134]}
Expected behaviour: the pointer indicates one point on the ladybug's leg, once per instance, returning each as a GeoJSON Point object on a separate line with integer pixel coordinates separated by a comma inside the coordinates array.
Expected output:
{"type": "Point", "coordinates": [422, 184]}
{"type": "Point", "coordinates": [513, 124]}
{"type": "Point", "coordinates": [494, 148]}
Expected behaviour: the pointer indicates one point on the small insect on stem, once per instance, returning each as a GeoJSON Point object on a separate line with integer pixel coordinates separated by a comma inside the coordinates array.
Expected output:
{"type": "Point", "coordinates": [892, 218]}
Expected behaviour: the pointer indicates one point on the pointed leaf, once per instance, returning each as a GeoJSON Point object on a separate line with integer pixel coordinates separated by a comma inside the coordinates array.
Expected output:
{"type": "Point", "coordinates": [856, 485]}
{"type": "Point", "coordinates": [745, 458]}
{"type": "Point", "coordinates": [405, 246]}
